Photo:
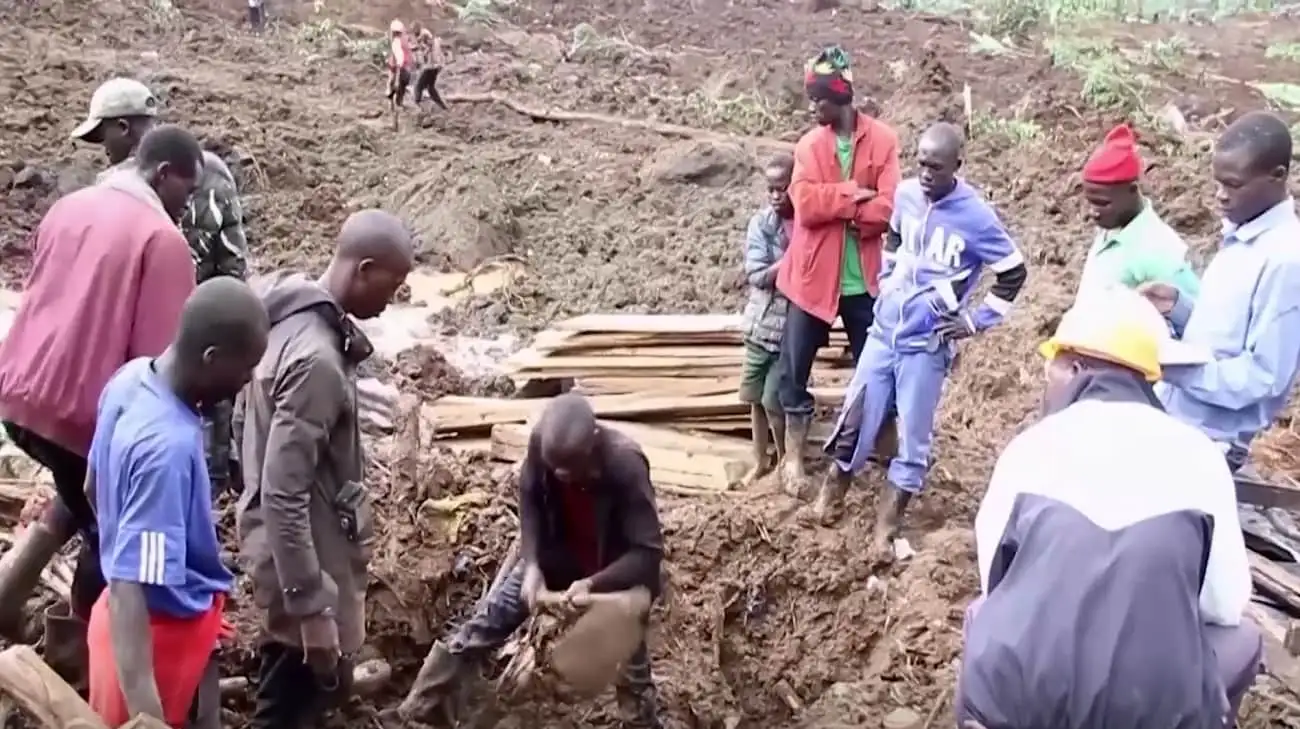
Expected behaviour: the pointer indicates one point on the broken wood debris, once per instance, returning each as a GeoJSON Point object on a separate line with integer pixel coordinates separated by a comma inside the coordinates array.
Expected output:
{"type": "Point", "coordinates": [670, 382]}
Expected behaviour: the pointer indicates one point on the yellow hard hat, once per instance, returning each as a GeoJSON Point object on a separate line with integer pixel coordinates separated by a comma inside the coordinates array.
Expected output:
{"type": "Point", "coordinates": [396, 27]}
{"type": "Point", "coordinates": [1120, 326]}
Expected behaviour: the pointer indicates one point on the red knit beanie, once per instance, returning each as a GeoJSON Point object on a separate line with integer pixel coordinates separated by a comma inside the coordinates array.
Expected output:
{"type": "Point", "coordinates": [1116, 160]}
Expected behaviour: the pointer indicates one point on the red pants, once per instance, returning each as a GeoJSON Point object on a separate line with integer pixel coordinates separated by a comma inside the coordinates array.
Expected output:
{"type": "Point", "coordinates": [181, 650]}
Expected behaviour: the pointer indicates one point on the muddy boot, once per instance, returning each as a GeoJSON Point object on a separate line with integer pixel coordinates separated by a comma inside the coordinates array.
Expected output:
{"type": "Point", "coordinates": [637, 697]}
{"type": "Point", "coordinates": [20, 572]}
{"type": "Point", "coordinates": [889, 518]}
{"type": "Point", "coordinates": [793, 477]}
{"type": "Point", "coordinates": [830, 497]}
{"type": "Point", "coordinates": [435, 692]}
{"type": "Point", "coordinates": [65, 646]}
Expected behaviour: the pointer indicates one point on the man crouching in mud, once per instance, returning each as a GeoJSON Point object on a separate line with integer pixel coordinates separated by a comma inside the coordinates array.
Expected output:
{"type": "Point", "coordinates": [589, 524]}
{"type": "Point", "coordinates": [304, 516]}
{"type": "Point", "coordinates": [1115, 576]}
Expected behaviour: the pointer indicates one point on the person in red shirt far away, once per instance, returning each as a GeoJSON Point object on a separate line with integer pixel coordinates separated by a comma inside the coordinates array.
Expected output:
{"type": "Point", "coordinates": [110, 274]}
{"type": "Point", "coordinates": [845, 174]}
{"type": "Point", "coordinates": [588, 525]}
{"type": "Point", "coordinates": [400, 62]}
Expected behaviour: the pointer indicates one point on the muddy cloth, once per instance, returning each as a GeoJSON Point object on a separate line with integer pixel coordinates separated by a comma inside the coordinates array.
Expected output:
{"type": "Point", "coordinates": [494, 620]}
{"type": "Point", "coordinates": [304, 516]}
{"type": "Point", "coordinates": [629, 538]}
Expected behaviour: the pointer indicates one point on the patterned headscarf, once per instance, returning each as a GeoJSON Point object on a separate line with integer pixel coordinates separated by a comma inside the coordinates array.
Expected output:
{"type": "Point", "coordinates": [827, 76]}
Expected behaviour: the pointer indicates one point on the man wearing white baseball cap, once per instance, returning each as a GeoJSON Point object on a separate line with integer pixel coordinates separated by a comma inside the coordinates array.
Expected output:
{"type": "Point", "coordinates": [122, 110]}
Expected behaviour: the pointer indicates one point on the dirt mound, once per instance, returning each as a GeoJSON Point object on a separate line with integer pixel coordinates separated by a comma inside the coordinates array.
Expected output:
{"type": "Point", "coordinates": [460, 220]}
{"type": "Point", "coordinates": [698, 162]}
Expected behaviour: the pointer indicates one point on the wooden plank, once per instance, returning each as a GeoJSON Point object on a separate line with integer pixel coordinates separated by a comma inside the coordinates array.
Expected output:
{"type": "Point", "coordinates": [652, 323]}
{"type": "Point", "coordinates": [466, 414]}
{"type": "Point", "coordinates": [656, 385]}
{"type": "Point", "coordinates": [700, 470]}
{"type": "Point", "coordinates": [1278, 662]}
{"type": "Point", "coordinates": [1251, 490]}
{"type": "Point", "coordinates": [1275, 582]}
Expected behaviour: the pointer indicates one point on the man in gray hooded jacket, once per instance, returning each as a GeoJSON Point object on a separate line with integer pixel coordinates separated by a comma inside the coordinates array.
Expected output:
{"type": "Point", "coordinates": [304, 516]}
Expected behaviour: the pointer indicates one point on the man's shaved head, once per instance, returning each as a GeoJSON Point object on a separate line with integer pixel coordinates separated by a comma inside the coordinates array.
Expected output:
{"type": "Point", "coordinates": [221, 338]}
{"type": "Point", "coordinates": [222, 312]}
{"type": "Point", "coordinates": [945, 137]}
{"type": "Point", "coordinates": [377, 235]}
{"type": "Point", "coordinates": [374, 255]}
{"type": "Point", "coordinates": [939, 155]}
{"type": "Point", "coordinates": [1262, 136]}
{"type": "Point", "coordinates": [567, 435]}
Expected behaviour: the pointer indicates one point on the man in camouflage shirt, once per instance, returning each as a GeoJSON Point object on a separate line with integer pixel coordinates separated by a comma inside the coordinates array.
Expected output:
{"type": "Point", "coordinates": [122, 110]}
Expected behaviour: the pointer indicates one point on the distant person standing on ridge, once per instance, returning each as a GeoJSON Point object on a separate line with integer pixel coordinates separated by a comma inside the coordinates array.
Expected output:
{"type": "Point", "coordinates": [256, 15]}
{"type": "Point", "coordinates": [1133, 245]}
{"type": "Point", "coordinates": [430, 59]}
{"type": "Point", "coordinates": [845, 174]}
{"type": "Point", "coordinates": [400, 62]}
{"type": "Point", "coordinates": [122, 110]}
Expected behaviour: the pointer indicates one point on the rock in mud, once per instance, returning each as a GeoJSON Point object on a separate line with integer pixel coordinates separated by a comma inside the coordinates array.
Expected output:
{"type": "Point", "coordinates": [699, 162]}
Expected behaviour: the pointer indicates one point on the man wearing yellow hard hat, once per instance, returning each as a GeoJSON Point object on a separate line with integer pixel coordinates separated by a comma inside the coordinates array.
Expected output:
{"type": "Point", "coordinates": [1113, 569]}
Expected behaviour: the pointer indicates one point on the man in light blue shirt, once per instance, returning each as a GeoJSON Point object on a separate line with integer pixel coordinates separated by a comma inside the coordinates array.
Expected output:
{"type": "Point", "coordinates": [1247, 317]}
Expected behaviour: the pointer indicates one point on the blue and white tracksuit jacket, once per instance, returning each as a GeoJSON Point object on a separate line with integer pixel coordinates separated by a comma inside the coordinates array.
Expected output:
{"type": "Point", "coordinates": [933, 257]}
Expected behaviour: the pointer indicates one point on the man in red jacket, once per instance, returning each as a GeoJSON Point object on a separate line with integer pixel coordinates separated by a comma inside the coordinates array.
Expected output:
{"type": "Point", "coordinates": [845, 174]}
{"type": "Point", "coordinates": [110, 275]}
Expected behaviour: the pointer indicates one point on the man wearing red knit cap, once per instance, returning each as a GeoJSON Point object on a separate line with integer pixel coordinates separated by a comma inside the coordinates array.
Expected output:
{"type": "Point", "coordinates": [1133, 245]}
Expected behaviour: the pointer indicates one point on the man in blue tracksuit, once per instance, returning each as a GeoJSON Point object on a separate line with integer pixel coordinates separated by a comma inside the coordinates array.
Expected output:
{"type": "Point", "coordinates": [941, 235]}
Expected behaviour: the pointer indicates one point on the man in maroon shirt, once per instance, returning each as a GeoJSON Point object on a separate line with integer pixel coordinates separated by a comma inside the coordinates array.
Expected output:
{"type": "Point", "coordinates": [588, 524]}
{"type": "Point", "coordinates": [110, 274]}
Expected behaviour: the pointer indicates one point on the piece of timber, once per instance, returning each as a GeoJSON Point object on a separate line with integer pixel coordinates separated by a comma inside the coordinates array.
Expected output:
{"type": "Point", "coordinates": [457, 415]}
{"type": "Point", "coordinates": [677, 466]}
{"type": "Point", "coordinates": [1252, 490]}
{"type": "Point", "coordinates": [39, 691]}
{"type": "Point", "coordinates": [1278, 662]}
{"type": "Point", "coordinates": [1275, 582]}
{"type": "Point", "coordinates": [656, 385]}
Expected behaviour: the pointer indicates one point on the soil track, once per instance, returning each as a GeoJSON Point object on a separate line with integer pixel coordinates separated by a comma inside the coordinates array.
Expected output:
{"type": "Point", "coordinates": [615, 218]}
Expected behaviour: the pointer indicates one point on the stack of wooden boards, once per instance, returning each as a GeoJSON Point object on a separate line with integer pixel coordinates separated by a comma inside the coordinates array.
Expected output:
{"type": "Point", "coordinates": [668, 381]}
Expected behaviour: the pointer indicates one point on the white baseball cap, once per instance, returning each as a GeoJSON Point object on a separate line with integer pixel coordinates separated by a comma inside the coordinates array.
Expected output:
{"type": "Point", "coordinates": [115, 99]}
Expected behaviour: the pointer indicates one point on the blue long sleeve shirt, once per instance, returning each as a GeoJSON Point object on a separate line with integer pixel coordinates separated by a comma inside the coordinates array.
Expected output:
{"type": "Point", "coordinates": [1248, 317]}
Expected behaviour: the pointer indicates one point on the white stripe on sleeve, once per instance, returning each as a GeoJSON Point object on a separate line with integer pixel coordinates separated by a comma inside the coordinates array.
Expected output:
{"type": "Point", "coordinates": [153, 558]}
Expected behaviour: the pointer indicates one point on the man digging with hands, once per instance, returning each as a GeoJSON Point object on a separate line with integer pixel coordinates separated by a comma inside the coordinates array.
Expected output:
{"type": "Point", "coordinates": [589, 525]}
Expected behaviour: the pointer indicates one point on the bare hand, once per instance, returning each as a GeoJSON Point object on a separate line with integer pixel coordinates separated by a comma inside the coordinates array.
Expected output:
{"type": "Point", "coordinates": [864, 194]}
{"type": "Point", "coordinates": [531, 587]}
{"type": "Point", "coordinates": [579, 593]}
{"type": "Point", "coordinates": [1161, 295]}
{"type": "Point", "coordinates": [320, 642]}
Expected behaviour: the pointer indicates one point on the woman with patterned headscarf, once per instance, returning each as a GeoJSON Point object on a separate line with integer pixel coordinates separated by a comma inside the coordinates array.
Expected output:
{"type": "Point", "coordinates": [845, 174]}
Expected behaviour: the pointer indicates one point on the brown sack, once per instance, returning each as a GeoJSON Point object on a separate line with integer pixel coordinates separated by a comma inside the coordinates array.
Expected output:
{"type": "Point", "coordinates": [589, 656]}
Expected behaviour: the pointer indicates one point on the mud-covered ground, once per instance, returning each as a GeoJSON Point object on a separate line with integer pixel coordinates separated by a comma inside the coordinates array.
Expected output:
{"type": "Point", "coordinates": [644, 215]}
